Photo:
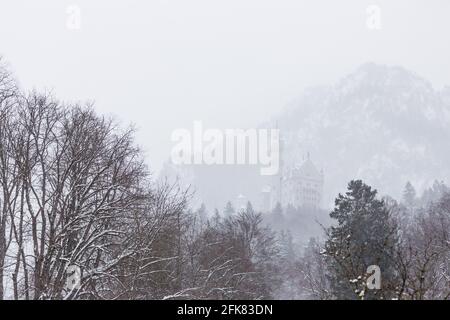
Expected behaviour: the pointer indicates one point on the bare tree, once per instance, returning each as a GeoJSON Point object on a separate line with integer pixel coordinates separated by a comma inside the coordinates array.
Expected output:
{"type": "Point", "coordinates": [313, 273]}
{"type": "Point", "coordinates": [424, 256]}
{"type": "Point", "coordinates": [74, 186]}
{"type": "Point", "coordinates": [232, 258]}
{"type": "Point", "coordinates": [8, 101]}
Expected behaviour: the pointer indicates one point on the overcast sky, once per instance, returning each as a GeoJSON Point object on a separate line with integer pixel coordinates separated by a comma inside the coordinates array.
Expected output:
{"type": "Point", "coordinates": [230, 63]}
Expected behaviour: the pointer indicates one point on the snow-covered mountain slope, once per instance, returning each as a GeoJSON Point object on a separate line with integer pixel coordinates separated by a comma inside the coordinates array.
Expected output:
{"type": "Point", "coordinates": [383, 124]}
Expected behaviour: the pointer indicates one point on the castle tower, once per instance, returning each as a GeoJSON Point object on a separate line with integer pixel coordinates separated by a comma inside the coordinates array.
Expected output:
{"type": "Point", "coordinates": [303, 187]}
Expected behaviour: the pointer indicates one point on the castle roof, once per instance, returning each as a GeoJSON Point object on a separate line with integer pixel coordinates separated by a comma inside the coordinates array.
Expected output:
{"type": "Point", "coordinates": [307, 170]}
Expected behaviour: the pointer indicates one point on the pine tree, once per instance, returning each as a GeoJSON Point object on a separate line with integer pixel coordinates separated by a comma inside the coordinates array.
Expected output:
{"type": "Point", "coordinates": [202, 212]}
{"type": "Point", "coordinates": [291, 211]}
{"type": "Point", "coordinates": [365, 235]}
{"type": "Point", "coordinates": [229, 210]}
{"type": "Point", "coordinates": [278, 210]}
{"type": "Point", "coordinates": [409, 195]}
{"type": "Point", "coordinates": [434, 194]}
{"type": "Point", "coordinates": [249, 208]}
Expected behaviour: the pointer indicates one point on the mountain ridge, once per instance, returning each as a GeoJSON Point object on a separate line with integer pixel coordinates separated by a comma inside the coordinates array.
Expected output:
{"type": "Point", "coordinates": [379, 116]}
{"type": "Point", "coordinates": [383, 124]}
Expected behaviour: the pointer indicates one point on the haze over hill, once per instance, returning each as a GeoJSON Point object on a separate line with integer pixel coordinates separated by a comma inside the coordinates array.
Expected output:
{"type": "Point", "coordinates": [224, 150]}
{"type": "Point", "coordinates": [383, 124]}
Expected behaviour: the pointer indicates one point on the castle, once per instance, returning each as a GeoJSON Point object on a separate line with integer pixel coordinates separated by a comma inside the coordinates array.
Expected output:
{"type": "Point", "coordinates": [300, 186]}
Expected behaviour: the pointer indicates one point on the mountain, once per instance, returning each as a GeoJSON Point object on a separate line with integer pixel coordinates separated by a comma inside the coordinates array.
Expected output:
{"type": "Point", "coordinates": [383, 124]}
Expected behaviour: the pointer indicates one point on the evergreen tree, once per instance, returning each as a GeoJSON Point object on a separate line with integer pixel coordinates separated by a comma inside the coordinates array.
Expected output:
{"type": "Point", "coordinates": [409, 195]}
{"type": "Point", "coordinates": [202, 213]}
{"type": "Point", "coordinates": [434, 194]}
{"type": "Point", "coordinates": [278, 210]}
{"type": "Point", "coordinates": [291, 211]}
{"type": "Point", "coordinates": [229, 210]}
{"type": "Point", "coordinates": [249, 208]}
{"type": "Point", "coordinates": [364, 236]}
{"type": "Point", "coordinates": [287, 246]}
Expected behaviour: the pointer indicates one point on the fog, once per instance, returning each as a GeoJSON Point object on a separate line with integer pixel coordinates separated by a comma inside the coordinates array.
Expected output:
{"type": "Point", "coordinates": [284, 149]}
{"type": "Point", "coordinates": [162, 64]}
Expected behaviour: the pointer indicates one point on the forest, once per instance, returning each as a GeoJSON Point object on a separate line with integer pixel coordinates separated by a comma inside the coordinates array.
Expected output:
{"type": "Point", "coordinates": [82, 217]}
